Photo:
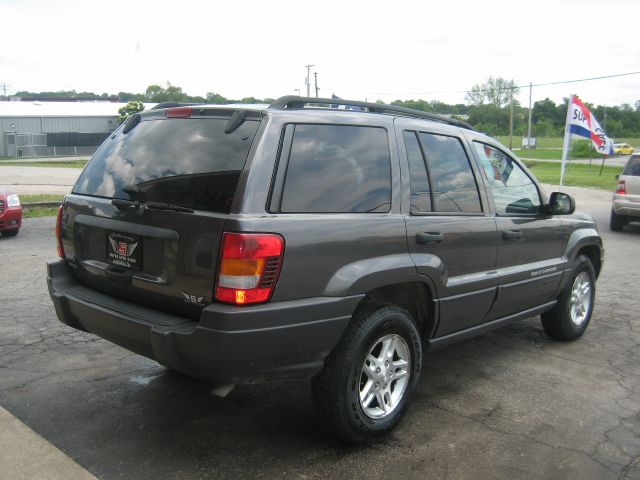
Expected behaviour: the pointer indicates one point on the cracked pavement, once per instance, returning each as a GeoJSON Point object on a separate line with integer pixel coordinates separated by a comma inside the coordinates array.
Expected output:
{"type": "Point", "coordinates": [508, 404]}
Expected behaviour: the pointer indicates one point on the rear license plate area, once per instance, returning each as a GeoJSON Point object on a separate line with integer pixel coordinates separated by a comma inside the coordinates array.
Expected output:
{"type": "Point", "coordinates": [124, 250]}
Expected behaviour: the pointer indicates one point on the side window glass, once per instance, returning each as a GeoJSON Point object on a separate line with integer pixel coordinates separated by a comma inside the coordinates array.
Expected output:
{"type": "Point", "coordinates": [513, 191]}
{"type": "Point", "coordinates": [420, 191]}
{"type": "Point", "coordinates": [337, 169]}
{"type": "Point", "coordinates": [452, 181]}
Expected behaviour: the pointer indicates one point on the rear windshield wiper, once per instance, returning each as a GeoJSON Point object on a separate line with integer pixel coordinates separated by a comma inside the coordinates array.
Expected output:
{"type": "Point", "coordinates": [122, 204]}
{"type": "Point", "coordinates": [167, 206]}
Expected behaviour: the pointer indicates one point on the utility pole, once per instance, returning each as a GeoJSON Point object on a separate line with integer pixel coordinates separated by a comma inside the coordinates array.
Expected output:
{"type": "Point", "coordinates": [308, 67]}
{"type": "Point", "coordinates": [315, 74]}
{"type": "Point", "coordinates": [511, 120]}
{"type": "Point", "coordinates": [4, 89]}
{"type": "Point", "coordinates": [529, 127]}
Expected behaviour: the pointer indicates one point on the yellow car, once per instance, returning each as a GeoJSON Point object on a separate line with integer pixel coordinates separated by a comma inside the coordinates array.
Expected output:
{"type": "Point", "coordinates": [622, 149]}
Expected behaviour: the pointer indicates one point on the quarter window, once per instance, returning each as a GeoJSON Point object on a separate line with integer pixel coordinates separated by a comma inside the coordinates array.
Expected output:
{"type": "Point", "coordinates": [513, 191]}
{"type": "Point", "coordinates": [337, 169]}
{"type": "Point", "coordinates": [420, 191]}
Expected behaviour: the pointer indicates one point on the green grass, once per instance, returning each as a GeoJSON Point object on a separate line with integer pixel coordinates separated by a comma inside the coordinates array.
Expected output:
{"type": "Point", "coordinates": [44, 197]}
{"type": "Point", "coordinates": [576, 175]}
{"type": "Point", "coordinates": [54, 164]}
{"type": "Point", "coordinates": [556, 142]}
{"type": "Point", "coordinates": [39, 212]}
{"type": "Point", "coordinates": [540, 154]}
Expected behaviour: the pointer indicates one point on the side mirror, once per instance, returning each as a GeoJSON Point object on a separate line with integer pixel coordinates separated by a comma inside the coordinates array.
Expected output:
{"type": "Point", "coordinates": [561, 204]}
{"type": "Point", "coordinates": [617, 177]}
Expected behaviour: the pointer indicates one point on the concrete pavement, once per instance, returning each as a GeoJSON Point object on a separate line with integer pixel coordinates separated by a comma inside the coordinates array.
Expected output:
{"type": "Point", "coordinates": [27, 456]}
{"type": "Point", "coordinates": [34, 180]}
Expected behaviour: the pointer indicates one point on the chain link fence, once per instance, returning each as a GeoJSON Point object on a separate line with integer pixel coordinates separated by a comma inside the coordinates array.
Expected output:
{"type": "Point", "coordinates": [22, 145]}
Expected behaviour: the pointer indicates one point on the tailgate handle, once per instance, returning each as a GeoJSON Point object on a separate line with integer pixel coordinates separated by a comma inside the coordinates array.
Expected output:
{"type": "Point", "coordinates": [119, 276]}
{"type": "Point", "coordinates": [511, 234]}
{"type": "Point", "coordinates": [429, 237]}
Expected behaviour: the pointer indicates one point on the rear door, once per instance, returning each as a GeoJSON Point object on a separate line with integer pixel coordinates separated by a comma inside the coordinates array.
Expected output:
{"type": "Point", "coordinates": [530, 241]}
{"type": "Point", "coordinates": [451, 235]}
{"type": "Point", "coordinates": [145, 218]}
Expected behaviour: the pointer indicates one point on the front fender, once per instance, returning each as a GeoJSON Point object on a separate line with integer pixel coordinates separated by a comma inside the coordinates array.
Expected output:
{"type": "Point", "coordinates": [580, 238]}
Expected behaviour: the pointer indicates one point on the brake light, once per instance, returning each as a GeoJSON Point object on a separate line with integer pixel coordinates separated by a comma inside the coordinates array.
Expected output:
{"type": "Point", "coordinates": [178, 112]}
{"type": "Point", "coordinates": [621, 188]}
{"type": "Point", "coordinates": [59, 232]}
{"type": "Point", "coordinates": [248, 268]}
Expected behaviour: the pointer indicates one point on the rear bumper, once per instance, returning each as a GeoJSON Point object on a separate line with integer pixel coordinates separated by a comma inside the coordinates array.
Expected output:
{"type": "Point", "coordinates": [626, 208]}
{"type": "Point", "coordinates": [281, 340]}
{"type": "Point", "coordinates": [11, 219]}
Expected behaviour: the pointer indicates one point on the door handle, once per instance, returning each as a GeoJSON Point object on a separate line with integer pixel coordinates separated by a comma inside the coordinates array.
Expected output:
{"type": "Point", "coordinates": [511, 234]}
{"type": "Point", "coordinates": [429, 237]}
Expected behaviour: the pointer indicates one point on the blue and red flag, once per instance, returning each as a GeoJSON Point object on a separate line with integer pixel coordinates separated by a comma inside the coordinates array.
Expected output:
{"type": "Point", "coordinates": [581, 122]}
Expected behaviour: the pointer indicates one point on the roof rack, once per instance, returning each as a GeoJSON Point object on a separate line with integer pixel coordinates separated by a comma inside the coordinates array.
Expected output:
{"type": "Point", "coordinates": [295, 102]}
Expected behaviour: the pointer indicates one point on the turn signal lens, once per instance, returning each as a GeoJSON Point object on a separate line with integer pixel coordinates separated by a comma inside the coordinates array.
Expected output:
{"type": "Point", "coordinates": [248, 268]}
{"type": "Point", "coordinates": [621, 188]}
{"type": "Point", "coordinates": [59, 232]}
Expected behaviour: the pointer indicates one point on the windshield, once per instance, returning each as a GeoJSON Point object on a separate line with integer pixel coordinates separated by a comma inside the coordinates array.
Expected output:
{"type": "Point", "coordinates": [186, 162]}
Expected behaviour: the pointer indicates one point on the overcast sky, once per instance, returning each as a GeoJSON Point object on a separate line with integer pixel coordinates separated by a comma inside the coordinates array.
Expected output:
{"type": "Point", "coordinates": [361, 50]}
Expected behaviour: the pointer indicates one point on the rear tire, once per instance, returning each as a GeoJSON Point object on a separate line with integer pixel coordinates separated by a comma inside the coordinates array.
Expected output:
{"type": "Point", "coordinates": [616, 222]}
{"type": "Point", "coordinates": [367, 381]}
{"type": "Point", "coordinates": [570, 317]}
{"type": "Point", "coordinates": [10, 233]}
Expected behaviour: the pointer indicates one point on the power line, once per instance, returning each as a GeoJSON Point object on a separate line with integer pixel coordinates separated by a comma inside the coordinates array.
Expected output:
{"type": "Point", "coordinates": [505, 87]}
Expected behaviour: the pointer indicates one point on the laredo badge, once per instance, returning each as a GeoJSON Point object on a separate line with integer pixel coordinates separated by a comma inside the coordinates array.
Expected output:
{"type": "Point", "coordinates": [192, 299]}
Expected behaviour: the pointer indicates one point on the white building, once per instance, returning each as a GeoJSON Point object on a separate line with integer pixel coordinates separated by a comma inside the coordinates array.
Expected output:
{"type": "Point", "coordinates": [36, 129]}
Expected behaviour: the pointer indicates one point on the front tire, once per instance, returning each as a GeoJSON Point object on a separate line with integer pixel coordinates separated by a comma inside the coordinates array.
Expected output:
{"type": "Point", "coordinates": [10, 233]}
{"type": "Point", "coordinates": [367, 381]}
{"type": "Point", "coordinates": [570, 317]}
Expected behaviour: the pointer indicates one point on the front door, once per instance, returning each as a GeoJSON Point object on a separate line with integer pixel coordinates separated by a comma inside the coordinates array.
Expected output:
{"type": "Point", "coordinates": [530, 241]}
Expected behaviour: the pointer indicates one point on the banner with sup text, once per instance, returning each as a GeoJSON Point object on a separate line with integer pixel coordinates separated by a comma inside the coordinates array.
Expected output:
{"type": "Point", "coordinates": [581, 122]}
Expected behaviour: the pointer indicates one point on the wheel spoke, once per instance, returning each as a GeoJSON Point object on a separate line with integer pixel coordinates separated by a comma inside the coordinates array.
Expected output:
{"type": "Point", "coordinates": [398, 374]}
{"type": "Point", "coordinates": [372, 360]}
{"type": "Point", "coordinates": [388, 347]}
{"type": "Point", "coordinates": [380, 398]}
{"type": "Point", "coordinates": [367, 394]}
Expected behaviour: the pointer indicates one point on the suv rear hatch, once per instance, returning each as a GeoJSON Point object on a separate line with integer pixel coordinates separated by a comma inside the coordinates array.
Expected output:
{"type": "Point", "coordinates": [631, 175]}
{"type": "Point", "coordinates": [145, 219]}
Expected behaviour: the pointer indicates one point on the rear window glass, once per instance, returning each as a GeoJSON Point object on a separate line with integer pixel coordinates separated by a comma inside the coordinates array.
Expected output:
{"type": "Point", "coordinates": [338, 169]}
{"type": "Point", "coordinates": [633, 167]}
{"type": "Point", "coordinates": [186, 162]}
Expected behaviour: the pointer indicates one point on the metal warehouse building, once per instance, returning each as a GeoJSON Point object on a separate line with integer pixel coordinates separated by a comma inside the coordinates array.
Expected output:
{"type": "Point", "coordinates": [36, 129]}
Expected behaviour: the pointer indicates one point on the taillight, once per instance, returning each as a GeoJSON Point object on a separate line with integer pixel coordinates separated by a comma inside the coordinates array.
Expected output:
{"type": "Point", "coordinates": [248, 268]}
{"type": "Point", "coordinates": [59, 232]}
{"type": "Point", "coordinates": [621, 188]}
{"type": "Point", "coordinates": [178, 112]}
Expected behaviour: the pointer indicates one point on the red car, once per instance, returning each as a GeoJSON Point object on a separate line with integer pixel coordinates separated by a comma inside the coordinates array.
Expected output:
{"type": "Point", "coordinates": [10, 213]}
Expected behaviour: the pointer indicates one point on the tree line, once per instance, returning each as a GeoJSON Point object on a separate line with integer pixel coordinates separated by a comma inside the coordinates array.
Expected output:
{"type": "Point", "coordinates": [487, 109]}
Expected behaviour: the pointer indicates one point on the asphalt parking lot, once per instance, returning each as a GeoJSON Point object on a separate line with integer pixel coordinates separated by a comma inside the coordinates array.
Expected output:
{"type": "Point", "coordinates": [508, 404]}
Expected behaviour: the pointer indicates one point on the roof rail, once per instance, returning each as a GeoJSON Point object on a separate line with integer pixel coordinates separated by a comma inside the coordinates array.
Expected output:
{"type": "Point", "coordinates": [295, 102]}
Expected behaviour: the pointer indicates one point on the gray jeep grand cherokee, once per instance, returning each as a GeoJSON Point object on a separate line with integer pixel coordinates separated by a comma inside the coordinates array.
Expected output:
{"type": "Point", "coordinates": [309, 240]}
